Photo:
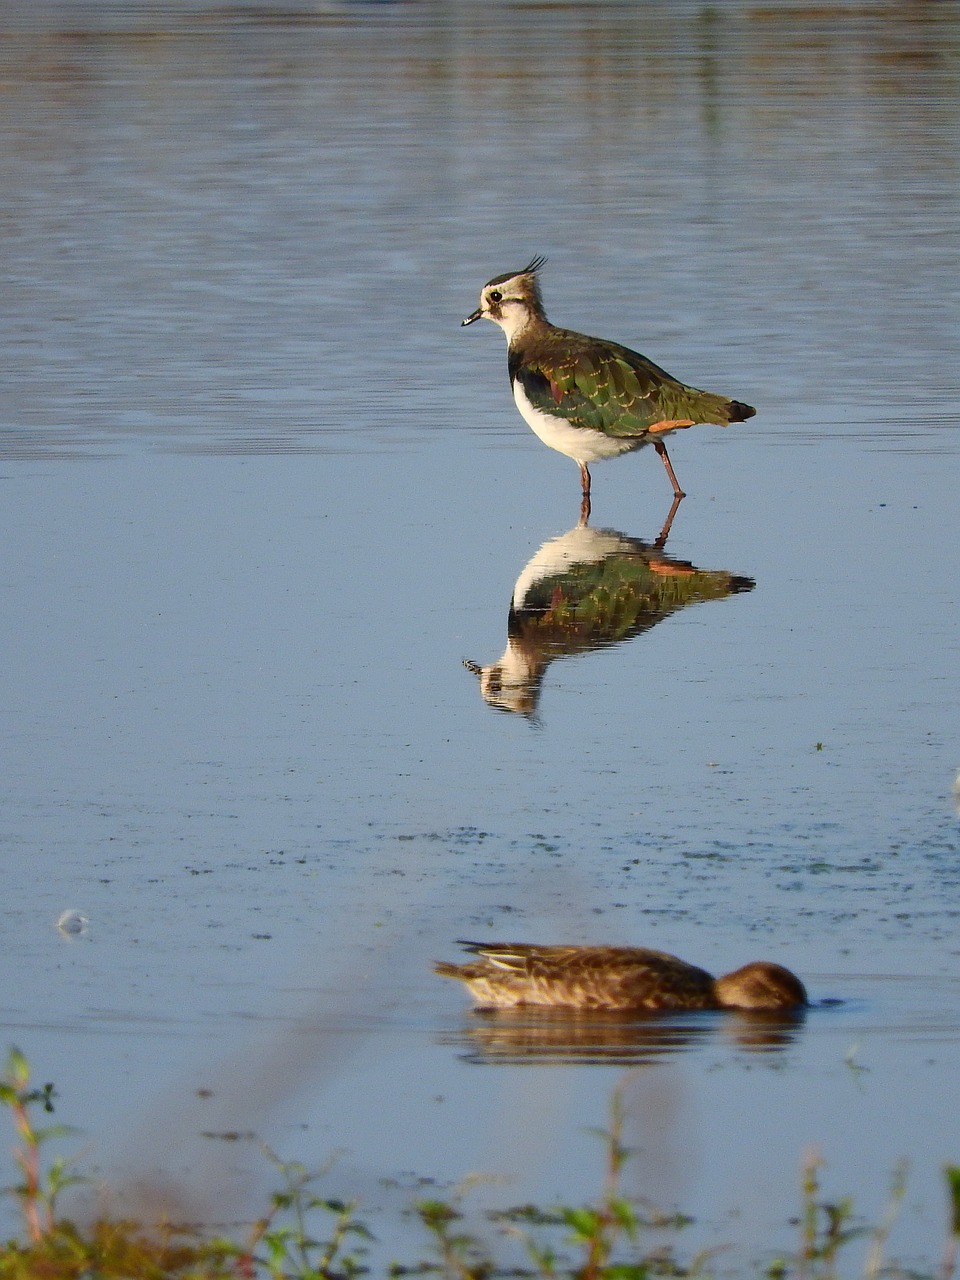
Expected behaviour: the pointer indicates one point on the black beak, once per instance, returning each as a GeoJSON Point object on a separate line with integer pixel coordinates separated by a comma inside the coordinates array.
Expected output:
{"type": "Point", "coordinates": [470, 319]}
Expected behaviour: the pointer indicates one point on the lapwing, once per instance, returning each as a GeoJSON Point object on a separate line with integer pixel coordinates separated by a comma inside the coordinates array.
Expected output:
{"type": "Point", "coordinates": [586, 397]}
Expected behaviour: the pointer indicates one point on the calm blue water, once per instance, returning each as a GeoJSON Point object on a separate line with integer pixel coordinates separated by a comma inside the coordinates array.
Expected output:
{"type": "Point", "coordinates": [262, 497]}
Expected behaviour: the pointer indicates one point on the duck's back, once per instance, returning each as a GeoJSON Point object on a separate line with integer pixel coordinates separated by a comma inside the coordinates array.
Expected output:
{"type": "Point", "coordinates": [619, 978]}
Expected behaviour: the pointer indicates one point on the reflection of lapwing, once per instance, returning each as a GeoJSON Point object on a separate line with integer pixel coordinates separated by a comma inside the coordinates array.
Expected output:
{"type": "Point", "coordinates": [586, 397]}
{"type": "Point", "coordinates": [629, 979]}
{"type": "Point", "coordinates": [589, 589]}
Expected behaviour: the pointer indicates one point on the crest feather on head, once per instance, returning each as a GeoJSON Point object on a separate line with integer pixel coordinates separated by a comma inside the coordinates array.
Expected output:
{"type": "Point", "coordinates": [530, 286]}
{"type": "Point", "coordinates": [532, 280]}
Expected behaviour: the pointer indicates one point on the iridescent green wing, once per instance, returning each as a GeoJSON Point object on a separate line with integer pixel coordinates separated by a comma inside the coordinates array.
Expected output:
{"type": "Point", "coordinates": [602, 386]}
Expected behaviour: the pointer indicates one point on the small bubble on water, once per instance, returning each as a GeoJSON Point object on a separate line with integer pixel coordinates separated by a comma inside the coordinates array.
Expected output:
{"type": "Point", "coordinates": [72, 922]}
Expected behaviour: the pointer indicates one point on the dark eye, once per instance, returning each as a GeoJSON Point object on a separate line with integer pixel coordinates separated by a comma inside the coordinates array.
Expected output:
{"type": "Point", "coordinates": [496, 296]}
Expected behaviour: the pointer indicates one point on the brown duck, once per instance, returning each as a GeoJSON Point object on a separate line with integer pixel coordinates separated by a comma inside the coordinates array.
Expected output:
{"type": "Point", "coordinates": [625, 979]}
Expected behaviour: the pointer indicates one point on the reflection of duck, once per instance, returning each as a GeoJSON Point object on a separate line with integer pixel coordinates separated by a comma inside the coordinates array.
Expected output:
{"type": "Point", "coordinates": [562, 1035]}
{"type": "Point", "coordinates": [589, 589]}
{"type": "Point", "coordinates": [627, 979]}
{"type": "Point", "coordinates": [572, 1037]}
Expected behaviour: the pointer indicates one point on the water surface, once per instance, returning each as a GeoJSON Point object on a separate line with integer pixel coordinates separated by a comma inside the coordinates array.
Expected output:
{"type": "Point", "coordinates": [262, 497]}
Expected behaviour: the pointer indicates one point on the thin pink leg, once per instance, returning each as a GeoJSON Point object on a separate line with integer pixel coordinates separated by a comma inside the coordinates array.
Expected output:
{"type": "Point", "coordinates": [661, 448]}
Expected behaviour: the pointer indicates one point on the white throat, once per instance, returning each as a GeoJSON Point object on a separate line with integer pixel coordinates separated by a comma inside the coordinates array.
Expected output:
{"type": "Point", "coordinates": [513, 319]}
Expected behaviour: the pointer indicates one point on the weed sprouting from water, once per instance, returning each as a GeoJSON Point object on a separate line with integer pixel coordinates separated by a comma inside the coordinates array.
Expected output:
{"type": "Point", "coordinates": [949, 1264]}
{"type": "Point", "coordinates": [306, 1236]}
{"type": "Point", "coordinates": [828, 1226]}
{"type": "Point", "coordinates": [289, 1247]}
{"type": "Point", "coordinates": [41, 1187]}
{"type": "Point", "coordinates": [598, 1241]}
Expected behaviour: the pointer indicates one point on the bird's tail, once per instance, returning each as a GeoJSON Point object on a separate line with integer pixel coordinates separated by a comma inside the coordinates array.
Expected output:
{"type": "Point", "coordinates": [738, 411]}
{"type": "Point", "coordinates": [707, 406]}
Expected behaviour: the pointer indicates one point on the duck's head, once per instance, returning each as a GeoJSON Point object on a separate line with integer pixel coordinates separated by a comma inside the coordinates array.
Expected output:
{"type": "Point", "coordinates": [511, 300]}
{"type": "Point", "coordinates": [761, 986]}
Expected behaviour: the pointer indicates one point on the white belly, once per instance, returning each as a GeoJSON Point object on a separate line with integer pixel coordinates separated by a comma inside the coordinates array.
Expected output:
{"type": "Point", "coordinates": [580, 443]}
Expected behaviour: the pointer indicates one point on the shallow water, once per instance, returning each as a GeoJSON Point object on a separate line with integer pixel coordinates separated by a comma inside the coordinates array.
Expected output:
{"type": "Point", "coordinates": [262, 498]}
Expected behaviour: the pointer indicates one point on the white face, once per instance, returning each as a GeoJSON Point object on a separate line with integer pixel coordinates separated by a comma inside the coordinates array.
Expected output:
{"type": "Point", "coordinates": [506, 305]}
{"type": "Point", "coordinates": [512, 302]}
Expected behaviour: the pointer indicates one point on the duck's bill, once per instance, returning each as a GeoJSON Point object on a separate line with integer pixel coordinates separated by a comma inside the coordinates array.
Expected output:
{"type": "Point", "coordinates": [470, 319]}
